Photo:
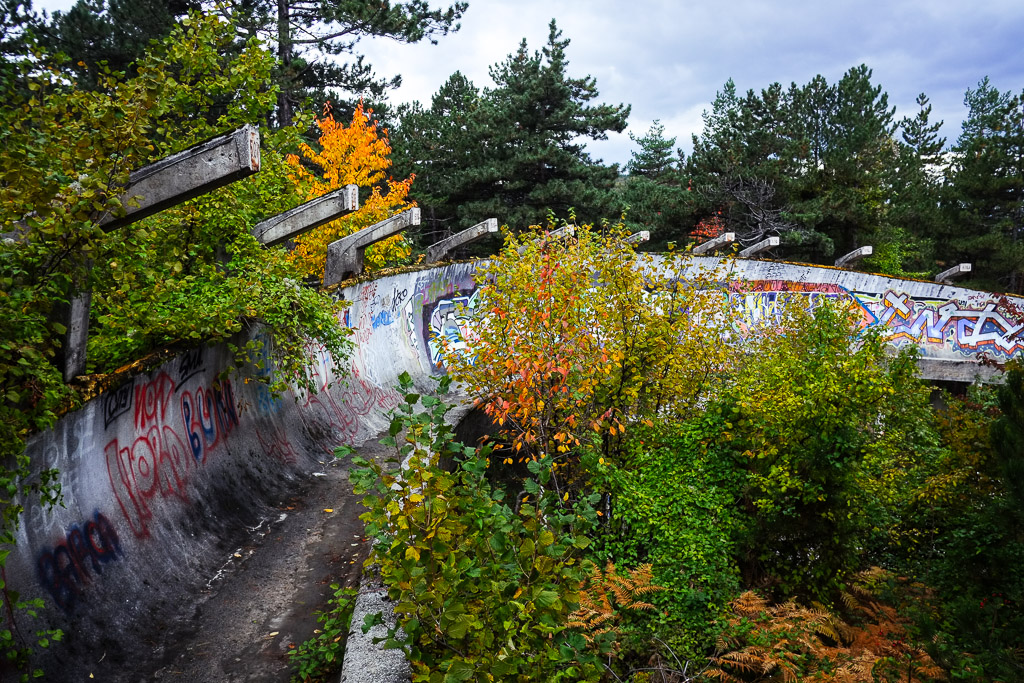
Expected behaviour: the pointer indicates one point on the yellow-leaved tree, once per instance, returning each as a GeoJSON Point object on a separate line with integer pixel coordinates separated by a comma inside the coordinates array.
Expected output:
{"type": "Point", "coordinates": [353, 154]}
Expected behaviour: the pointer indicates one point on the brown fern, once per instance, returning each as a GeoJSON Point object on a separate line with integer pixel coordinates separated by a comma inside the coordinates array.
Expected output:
{"type": "Point", "coordinates": [602, 594]}
{"type": "Point", "coordinates": [789, 642]}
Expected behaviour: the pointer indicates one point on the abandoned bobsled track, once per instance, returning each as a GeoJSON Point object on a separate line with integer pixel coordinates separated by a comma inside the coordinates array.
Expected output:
{"type": "Point", "coordinates": [193, 542]}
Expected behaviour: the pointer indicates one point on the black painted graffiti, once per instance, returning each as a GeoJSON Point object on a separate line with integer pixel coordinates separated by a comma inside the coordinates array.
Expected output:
{"type": "Point", "coordinates": [66, 569]}
{"type": "Point", "coordinates": [191, 363]}
{"type": "Point", "coordinates": [116, 403]}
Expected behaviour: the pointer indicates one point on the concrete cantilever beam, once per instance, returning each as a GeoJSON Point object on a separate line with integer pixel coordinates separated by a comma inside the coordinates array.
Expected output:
{"type": "Point", "coordinates": [151, 189]}
{"type": "Point", "coordinates": [638, 237]}
{"type": "Point", "coordinates": [715, 244]}
{"type": "Point", "coordinates": [855, 255]}
{"type": "Point", "coordinates": [345, 257]}
{"type": "Point", "coordinates": [188, 174]}
{"type": "Point", "coordinates": [437, 251]}
{"type": "Point", "coordinates": [763, 245]}
{"type": "Point", "coordinates": [312, 214]}
{"type": "Point", "coordinates": [564, 231]}
{"type": "Point", "coordinates": [946, 276]}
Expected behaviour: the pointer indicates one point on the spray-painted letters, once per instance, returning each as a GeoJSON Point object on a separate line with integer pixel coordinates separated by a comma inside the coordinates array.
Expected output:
{"type": "Point", "coordinates": [68, 567]}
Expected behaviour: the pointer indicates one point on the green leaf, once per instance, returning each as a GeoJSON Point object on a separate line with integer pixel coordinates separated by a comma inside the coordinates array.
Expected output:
{"type": "Point", "coordinates": [459, 670]}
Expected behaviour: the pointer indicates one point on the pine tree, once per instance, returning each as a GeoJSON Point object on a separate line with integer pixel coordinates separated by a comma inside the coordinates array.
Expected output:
{"type": "Point", "coordinates": [655, 196]}
{"type": "Point", "coordinates": [537, 119]}
{"type": "Point", "coordinates": [307, 32]}
{"type": "Point", "coordinates": [654, 159]}
{"type": "Point", "coordinates": [16, 22]}
{"type": "Point", "coordinates": [914, 218]}
{"type": "Point", "coordinates": [98, 33]}
{"type": "Point", "coordinates": [440, 145]}
{"type": "Point", "coordinates": [985, 200]}
{"type": "Point", "coordinates": [515, 151]}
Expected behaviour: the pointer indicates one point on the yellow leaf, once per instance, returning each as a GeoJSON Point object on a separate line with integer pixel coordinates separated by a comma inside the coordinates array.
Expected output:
{"type": "Point", "coordinates": [412, 554]}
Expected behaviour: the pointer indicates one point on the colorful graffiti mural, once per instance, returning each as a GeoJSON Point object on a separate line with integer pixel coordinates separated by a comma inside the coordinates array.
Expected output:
{"type": "Point", "coordinates": [992, 325]}
{"type": "Point", "coordinates": [450, 320]}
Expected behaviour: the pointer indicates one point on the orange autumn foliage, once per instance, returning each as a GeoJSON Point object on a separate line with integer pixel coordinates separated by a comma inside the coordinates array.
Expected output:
{"type": "Point", "coordinates": [788, 642]}
{"type": "Point", "coordinates": [353, 154]}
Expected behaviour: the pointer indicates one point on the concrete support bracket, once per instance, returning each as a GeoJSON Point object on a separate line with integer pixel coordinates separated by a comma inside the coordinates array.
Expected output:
{"type": "Point", "coordinates": [305, 217]}
{"type": "Point", "coordinates": [715, 244]}
{"type": "Point", "coordinates": [151, 189]}
{"type": "Point", "coordinates": [188, 174]}
{"type": "Point", "coordinates": [638, 237]}
{"type": "Point", "coordinates": [854, 256]}
{"type": "Point", "coordinates": [564, 231]}
{"type": "Point", "coordinates": [436, 252]}
{"type": "Point", "coordinates": [763, 245]}
{"type": "Point", "coordinates": [75, 318]}
{"type": "Point", "coordinates": [345, 257]}
{"type": "Point", "coordinates": [946, 276]}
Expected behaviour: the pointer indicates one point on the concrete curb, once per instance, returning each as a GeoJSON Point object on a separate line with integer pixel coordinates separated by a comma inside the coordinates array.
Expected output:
{"type": "Point", "coordinates": [366, 661]}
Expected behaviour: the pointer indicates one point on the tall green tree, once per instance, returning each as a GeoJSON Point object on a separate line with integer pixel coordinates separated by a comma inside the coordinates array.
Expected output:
{"type": "Point", "coordinates": [16, 21]}
{"type": "Point", "coordinates": [985, 201]}
{"type": "Point", "coordinates": [538, 119]}
{"type": "Point", "coordinates": [442, 145]}
{"type": "Point", "coordinates": [655, 194]}
{"type": "Point", "coordinates": [316, 41]}
{"type": "Point", "coordinates": [655, 157]}
{"type": "Point", "coordinates": [111, 34]}
{"type": "Point", "coordinates": [810, 163]}
{"type": "Point", "coordinates": [914, 219]}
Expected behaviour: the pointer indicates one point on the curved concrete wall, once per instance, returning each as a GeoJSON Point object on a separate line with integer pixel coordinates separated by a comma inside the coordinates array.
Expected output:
{"type": "Point", "coordinates": [162, 476]}
{"type": "Point", "coordinates": [165, 476]}
{"type": "Point", "coordinates": [955, 328]}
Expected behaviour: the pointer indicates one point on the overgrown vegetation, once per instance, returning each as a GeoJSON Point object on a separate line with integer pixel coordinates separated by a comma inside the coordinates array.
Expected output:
{"type": "Point", "coordinates": [321, 656]}
{"type": "Point", "coordinates": [769, 500]}
{"type": "Point", "coordinates": [730, 484]}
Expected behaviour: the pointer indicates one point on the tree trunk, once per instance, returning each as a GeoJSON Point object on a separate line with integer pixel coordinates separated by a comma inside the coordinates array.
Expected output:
{"type": "Point", "coordinates": [284, 53]}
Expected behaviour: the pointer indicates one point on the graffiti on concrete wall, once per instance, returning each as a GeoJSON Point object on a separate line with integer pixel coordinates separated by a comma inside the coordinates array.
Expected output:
{"type": "Point", "coordinates": [449, 322]}
{"type": "Point", "coordinates": [342, 399]}
{"type": "Point", "coordinates": [159, 460]}
{"type": "Point", "coordinates": [67, 568]}
{"type": "Point", "coordinates": [761, 302]}
{"type": "Point", "coordinates": [208, 415]}
{"type": "Point", "coordinates": [990, 325]}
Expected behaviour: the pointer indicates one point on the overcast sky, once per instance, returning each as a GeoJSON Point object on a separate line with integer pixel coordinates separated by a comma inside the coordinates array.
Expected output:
{"type": "Point", "coordinates": [668, 58]}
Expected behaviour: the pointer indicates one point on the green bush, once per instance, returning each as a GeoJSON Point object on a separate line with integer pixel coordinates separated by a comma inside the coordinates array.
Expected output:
{"type": "Point", "coordinates": [321, 656]}
{"type": "Point", "coordinates": [482, 589]}
{"type": "Point", "coordinates": [675, 506]}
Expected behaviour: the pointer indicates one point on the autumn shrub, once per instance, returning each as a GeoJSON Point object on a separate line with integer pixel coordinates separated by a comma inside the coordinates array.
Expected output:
{"type": "Point", "coordinates": [482, 588]}
{"type": "Point", "coordinates": [765, 641]}
{"type": "Point", "coordinates": [354, 154]}
{"type": "Point", "coordinates": [579, 339]}
{"type": "Point", "coordinates": [810, 402]}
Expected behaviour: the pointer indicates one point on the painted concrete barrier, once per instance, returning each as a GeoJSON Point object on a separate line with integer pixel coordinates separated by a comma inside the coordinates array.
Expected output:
{"type": "Point", "coordinates": [164, 474]}
{"type": "Point", "coordinates": [954, 328]}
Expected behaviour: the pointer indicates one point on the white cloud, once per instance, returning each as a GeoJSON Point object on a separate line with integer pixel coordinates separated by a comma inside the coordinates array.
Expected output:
{"type": "Point", "coordinates": [669, 57]}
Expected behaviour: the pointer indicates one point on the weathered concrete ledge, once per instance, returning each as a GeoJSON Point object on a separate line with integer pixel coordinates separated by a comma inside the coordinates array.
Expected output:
{"type": "Point", "coordinates": [438, 250]}
{"type": "Point", "coordinates": [345, 257]}
{"type": "Point", "coordinates": [365, 660]}
{"type": "Point", "coordinates": [188, 174]}
{"type": "Point", "coordinates": [307, 216]}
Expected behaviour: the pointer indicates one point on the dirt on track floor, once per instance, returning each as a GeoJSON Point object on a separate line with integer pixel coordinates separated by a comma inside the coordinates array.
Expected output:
{"type": "Point", "coordinates": [262, 602]}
